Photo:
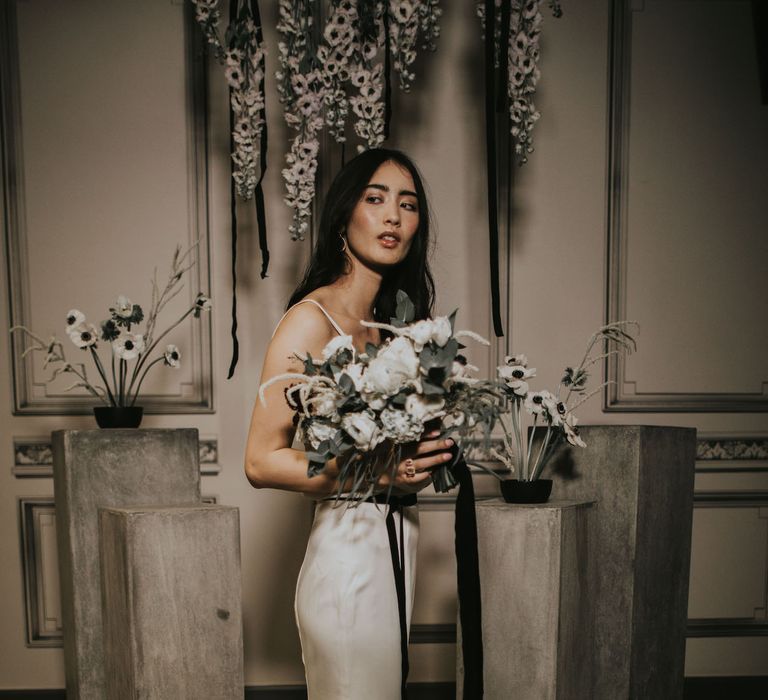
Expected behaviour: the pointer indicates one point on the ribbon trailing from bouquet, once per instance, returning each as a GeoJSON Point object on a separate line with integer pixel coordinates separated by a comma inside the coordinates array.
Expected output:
{"type": "Point", "coordinates": [468, 583]}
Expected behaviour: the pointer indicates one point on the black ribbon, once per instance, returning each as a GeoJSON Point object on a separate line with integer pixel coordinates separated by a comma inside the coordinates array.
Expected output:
{"type": "Point", "coordinates": [468, 583]}
{"type": "Point", "coordinates": [259, 191]}
{"type": "Point", "coordinates": [396, 505]}
{"type": "Point", "coordinates": [492, 178]}
{"type": "Point", "coordinates": [387, 73]}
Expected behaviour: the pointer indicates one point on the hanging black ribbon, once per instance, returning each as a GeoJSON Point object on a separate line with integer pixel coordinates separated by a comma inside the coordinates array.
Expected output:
{"type": "Point", "coordinates": [491, 165]}
{"type": "Point", "coordinates": [387, 73]}
{"type": "Point", "coordinates": [468, 583]}
{"type": "Point", "coordinates": [261, 216]}
{"type": "Point", "coordinates": [253, 9]}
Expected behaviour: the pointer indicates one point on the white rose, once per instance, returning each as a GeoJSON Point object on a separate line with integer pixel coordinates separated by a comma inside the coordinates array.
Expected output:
{"type": "Point", "coordinates": [437, 329]}
{"type": "Point", "coordinates": [424, 408]}
{"type": "Point", "coordinates": [340, 342]}
{"type": "Point", "coordinates": [317, 431]}
{"type": "Point", "coordinates": [393, 368]}
{"type": "Point", "coordinates": [363, 430]}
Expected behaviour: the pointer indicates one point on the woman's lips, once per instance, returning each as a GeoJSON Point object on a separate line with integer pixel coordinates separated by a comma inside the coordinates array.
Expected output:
{"type": "Point", "coordinates": [389, 240]}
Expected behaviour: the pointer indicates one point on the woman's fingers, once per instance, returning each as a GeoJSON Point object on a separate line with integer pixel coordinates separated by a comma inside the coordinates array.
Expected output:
{"type": "Point", "coordinates": [427, 446]}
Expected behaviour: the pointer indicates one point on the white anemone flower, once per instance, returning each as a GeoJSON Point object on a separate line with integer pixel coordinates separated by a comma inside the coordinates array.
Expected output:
{"type": "Point", "coordinates": [512, 360]}
{"type": "Point", "coordinates": [75, 319]}
{"type": "Point", "coordinates": [572, 432]}
{"type": "Point", "coordinates": [128, 345]}
{"type": "Point", "coordinates": [514, 377]}
{"type": "Point", "coordinates": [541, 403]}
{"type": "Point", "coordinates": [84, 336]}
{"type": "Point", "coordinates": [172, 356]}
{"type": "Point", "coordinates": [123, 307]}
{"type": "Point", "coordinates": [363, 429]}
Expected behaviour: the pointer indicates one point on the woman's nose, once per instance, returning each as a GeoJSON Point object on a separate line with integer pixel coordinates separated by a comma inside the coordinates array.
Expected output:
{"type": "Point", "coordinates": [393, 215]}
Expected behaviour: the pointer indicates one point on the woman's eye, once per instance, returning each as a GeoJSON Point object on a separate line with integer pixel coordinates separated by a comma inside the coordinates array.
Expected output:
{"type": "Point", "coordinates": [372, 198]}
{"type": "Point", "coordinates": [410, 206]}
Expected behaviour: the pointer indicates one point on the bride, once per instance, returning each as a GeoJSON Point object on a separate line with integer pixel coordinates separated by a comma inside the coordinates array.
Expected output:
{"type": "Point", "coordinates": [354, 595]}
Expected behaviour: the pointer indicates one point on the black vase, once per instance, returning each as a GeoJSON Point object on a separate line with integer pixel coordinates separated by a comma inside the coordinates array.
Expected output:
{"type": "Point", "coordinates": [118, 416]}
{"type": "Point", "coordinates": [516, 491]}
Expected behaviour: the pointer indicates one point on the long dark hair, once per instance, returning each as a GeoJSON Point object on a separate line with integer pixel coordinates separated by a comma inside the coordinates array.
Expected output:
{"type": "Point", "coordinates": [329, 262]}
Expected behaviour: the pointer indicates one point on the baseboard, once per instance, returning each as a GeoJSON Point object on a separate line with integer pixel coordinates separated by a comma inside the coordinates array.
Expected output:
{"type": "Point", "coordinates": [700, 688]}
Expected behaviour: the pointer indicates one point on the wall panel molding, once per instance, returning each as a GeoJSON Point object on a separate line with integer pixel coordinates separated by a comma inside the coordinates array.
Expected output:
{"type": "Point", "coordinates": [33, 457]}
{"type": "Point", "coordinates": [40, 571]}
{"type": "Point", "coordinates": [622, 394]}
{"type": "Point", "coordinates": [757, 625]}
{"type": "Point", "coordinates": [31, 394]}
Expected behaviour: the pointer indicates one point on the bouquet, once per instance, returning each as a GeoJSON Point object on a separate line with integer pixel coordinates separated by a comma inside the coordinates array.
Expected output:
{"type": "Point", "coordinates": [127, 344]}
{"type": "Point", "coordinates": [362, 408]}
{"type": "Point", "coordinates": [551, 410]}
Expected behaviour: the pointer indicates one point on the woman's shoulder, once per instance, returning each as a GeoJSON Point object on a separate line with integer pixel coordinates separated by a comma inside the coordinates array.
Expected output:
{"type": "Point", "coordinates": [305, 321]}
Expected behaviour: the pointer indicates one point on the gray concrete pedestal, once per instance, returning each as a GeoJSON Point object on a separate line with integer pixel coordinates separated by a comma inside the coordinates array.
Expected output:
{"type": "Point", "coordinates": [537, 598]}
{"type": "Point", "coordinates": [93, 468]}
{"type": "Point", "coordinates": [171, 601]}
{"type": "Point", "coordinates": [642, 479]}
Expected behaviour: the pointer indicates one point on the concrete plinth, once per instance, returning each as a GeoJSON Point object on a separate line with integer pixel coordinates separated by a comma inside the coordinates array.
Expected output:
{"type": "Point", "coordinates": [93, 468]}
{"type": "Point", "coordinates": [536, 600]}
{"type": "Point", "coordinates": [642, 478]}
{"type": "Point", "coordinates": [171, 601]}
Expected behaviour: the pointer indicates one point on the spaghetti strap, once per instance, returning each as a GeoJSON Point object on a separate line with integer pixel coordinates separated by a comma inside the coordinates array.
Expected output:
{"type": "Point", "coordinates": [335, 325]}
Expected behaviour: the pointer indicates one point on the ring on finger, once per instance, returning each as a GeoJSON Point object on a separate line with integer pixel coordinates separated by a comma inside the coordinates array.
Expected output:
{"type": "Point", "coordinates": [410, 469]}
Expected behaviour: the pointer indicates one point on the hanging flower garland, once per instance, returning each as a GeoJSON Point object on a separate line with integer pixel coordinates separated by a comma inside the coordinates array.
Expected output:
{"type": "Point", "coordinates": [517, 28]}
{"type": "Point", "coordinates": [244, 61]}
{"type": "Point", "coordinates": [321, 82]}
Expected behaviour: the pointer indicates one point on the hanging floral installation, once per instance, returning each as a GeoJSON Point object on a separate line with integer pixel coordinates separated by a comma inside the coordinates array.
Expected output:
{"type": "Point", "coordinates": [336, 62]}
{"type": "Point", "coordinates": [516, 56]}
{"type": "Point", "coordinates": [325, 75]}
{"type": "Point", "coordinates": [511, 74]}
{"type": "Point", "coordinates": [242, 53]}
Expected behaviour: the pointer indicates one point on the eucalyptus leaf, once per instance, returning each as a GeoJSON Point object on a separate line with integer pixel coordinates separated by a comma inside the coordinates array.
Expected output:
{"type": "Point", "coordinates": [371, 350]}
{"type": "Point", "coordinates": [405, 310]}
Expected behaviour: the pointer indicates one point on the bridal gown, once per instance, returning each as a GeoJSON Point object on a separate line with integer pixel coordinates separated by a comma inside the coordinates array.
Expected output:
{"type": "Point", "coordinates": [346, 596]}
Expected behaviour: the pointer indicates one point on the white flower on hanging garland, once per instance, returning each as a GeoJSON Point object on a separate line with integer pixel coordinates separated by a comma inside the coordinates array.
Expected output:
{"type": "Point", "coordinates": [324, 76]}
{"type": "Point", "coordinates": [522, 65]}
{"type": "Point", "coordinates": [244, 61]}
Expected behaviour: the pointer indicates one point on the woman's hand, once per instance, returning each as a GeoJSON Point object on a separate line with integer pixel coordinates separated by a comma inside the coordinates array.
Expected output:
{"type": "Point", "coordinates": [414, 472]}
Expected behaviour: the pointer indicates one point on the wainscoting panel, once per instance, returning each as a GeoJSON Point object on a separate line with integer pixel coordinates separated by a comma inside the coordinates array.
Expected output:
{"type": "Point", "coordinates": [686, 242]}
{"type": "Point", "coordinates": [105, 214]}
{"type": "Point", "coordinates": [41, 572]}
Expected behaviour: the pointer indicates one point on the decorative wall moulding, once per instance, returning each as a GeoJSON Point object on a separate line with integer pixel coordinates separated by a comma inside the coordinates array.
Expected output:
{"type": "Point", "coordinates": [33, 457]}
{"type": "Point", "coordinates": [757, 626]}
{"type": "Point", "coordinates": [623, 394]}
{"type": "Point", "coordinates": [193, 393]}
{"type": "Point", "coordinates": [731, 453]}
{"type": "Point", "coordinates": [40, 571]}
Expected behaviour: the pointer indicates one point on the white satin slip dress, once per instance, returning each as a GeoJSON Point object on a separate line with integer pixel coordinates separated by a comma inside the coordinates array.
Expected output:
{"type": "Point", "coordinates": [346, 600]}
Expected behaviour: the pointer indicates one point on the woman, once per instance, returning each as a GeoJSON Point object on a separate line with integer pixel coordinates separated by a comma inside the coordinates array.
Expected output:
{"type": "Point", "coordinates": [355, 591]}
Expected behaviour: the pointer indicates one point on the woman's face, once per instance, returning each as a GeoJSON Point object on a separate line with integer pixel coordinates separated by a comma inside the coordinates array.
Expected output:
{"type": "Point", "coordinates": [385, 220]}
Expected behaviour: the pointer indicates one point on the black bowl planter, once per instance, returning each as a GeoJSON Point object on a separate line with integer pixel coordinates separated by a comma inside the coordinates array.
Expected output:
{"type": "Point", "coordinates": [515, 491]}
{"type": "Point", "coordinates": [118, 416]}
